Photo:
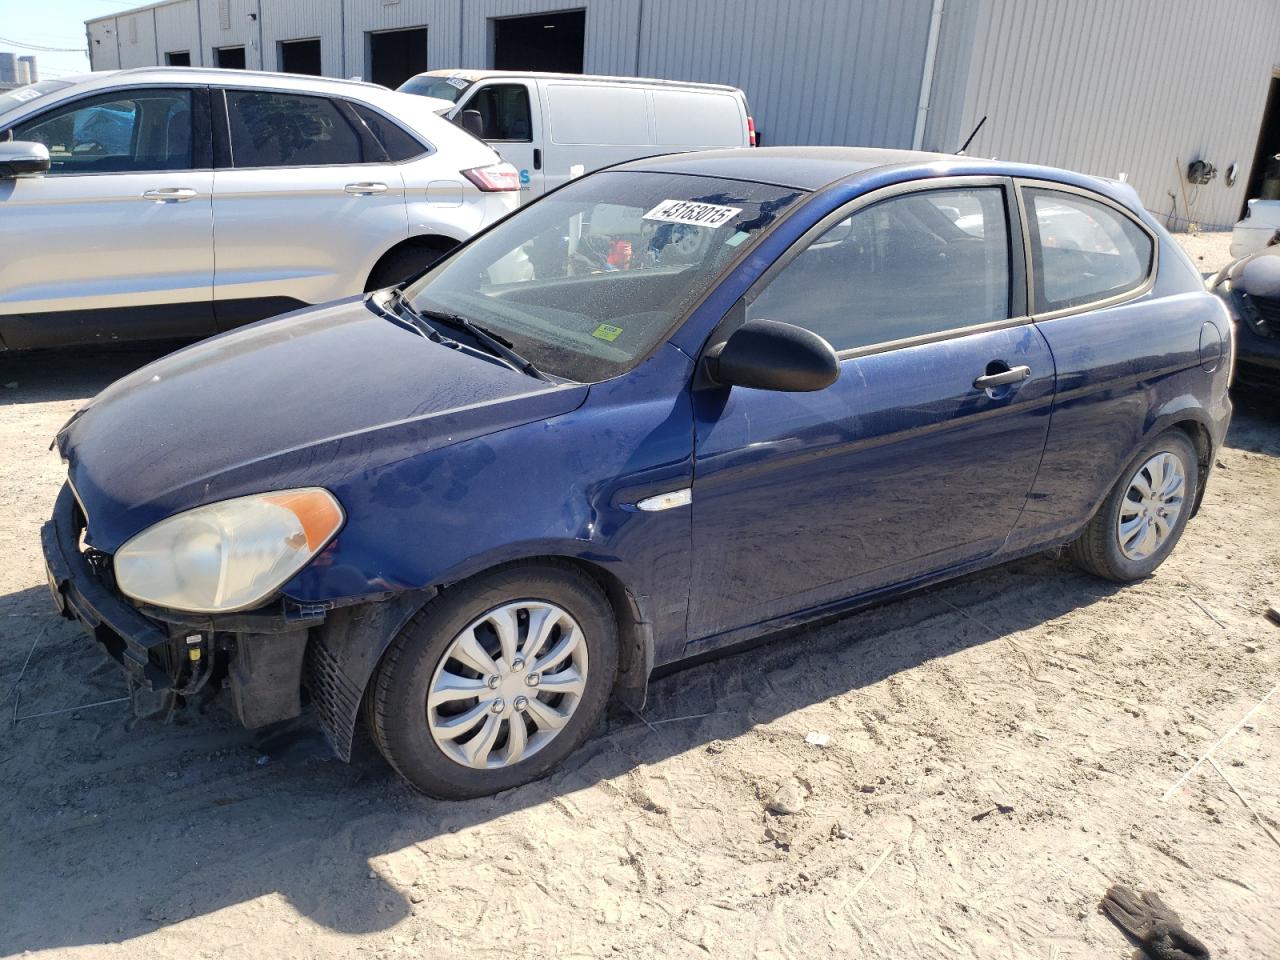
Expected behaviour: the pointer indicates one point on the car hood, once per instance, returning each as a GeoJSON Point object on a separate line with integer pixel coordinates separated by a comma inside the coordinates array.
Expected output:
{"type": "Point", "coordinates": [302, 400]}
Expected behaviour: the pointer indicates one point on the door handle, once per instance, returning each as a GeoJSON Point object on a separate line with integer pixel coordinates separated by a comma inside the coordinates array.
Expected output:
{"type": "Point", "coordinates": [537, 159]}
{"type": "Point", "coordinates": [169, 194]}
{"type": "Point", "coordinates": [1001, 378]}
{"type": "Point", "coordinates": [365, 189]}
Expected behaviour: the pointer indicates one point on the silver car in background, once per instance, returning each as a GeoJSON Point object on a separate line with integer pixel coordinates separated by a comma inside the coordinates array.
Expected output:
{"type": "Point", "coordinates": [175, 202]}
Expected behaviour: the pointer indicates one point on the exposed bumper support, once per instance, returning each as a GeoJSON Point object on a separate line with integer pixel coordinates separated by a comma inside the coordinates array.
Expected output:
{"type": "Point", "coordinates": [135, 642]}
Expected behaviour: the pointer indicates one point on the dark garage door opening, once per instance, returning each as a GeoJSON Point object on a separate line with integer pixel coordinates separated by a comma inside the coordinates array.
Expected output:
{"type": "Point", "coordinates": [300, 56]}
{"type": "Point", "coordinates": [230, 57]}
{"type": "Point", "coordinates": [552, 42]}
{"type": "Point", "coordinates": [178, 58]}
{"type": "Point", "coordinates": [396, 55]}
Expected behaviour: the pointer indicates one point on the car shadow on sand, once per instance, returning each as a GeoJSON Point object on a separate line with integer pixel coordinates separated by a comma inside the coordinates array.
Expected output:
{"type": "Point", "coordinates": [121, 827]}
{"type": "Point", "coordinates": [39, 376]}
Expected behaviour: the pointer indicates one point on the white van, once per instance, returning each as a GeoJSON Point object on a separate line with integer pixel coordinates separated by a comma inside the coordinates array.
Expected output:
{"type": "Point", "coordinates": [553, 126]}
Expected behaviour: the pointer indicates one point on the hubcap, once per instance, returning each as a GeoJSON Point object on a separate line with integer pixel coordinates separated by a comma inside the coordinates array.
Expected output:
{"type": "Point", "coordinates": [507, 685]}
{"type": "Point", "coordinates": [1151, 505]}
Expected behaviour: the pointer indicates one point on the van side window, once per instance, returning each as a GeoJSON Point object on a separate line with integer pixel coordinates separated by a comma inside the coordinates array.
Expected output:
{"type": "Point", "coordinates": [1082, 251]}
{"type": "Point", "coordinates": [923, 263]}
{"type": "Point", "coordinates": [504, 111]}
{"type": "Point", "coordinates": [123, 132]}
{"type": "Point", "coordinates": [288, 130]}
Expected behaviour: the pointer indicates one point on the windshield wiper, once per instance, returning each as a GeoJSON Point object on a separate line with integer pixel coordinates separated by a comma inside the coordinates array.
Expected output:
{"type": "Point", "coordinates": [404, 312]}
{"type": "Point", "coordinates": [497, 344]}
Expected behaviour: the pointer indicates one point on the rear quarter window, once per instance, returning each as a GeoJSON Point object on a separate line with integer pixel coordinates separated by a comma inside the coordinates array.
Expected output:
{"type": "Point", "coordinates": [1083, 251]}
{"type": "Point", "coordinates": [398, 142]}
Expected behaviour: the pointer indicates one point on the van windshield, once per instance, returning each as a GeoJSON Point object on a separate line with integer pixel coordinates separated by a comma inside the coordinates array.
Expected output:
{"type": "Point", "coordinates": [442, 88]}
{"type": "Point", "coordinates": [586, 281]}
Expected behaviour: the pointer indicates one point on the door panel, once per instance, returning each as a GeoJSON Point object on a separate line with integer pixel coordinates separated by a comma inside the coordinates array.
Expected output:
{"type": "Point", "coordinates": [121, 221]}
{"type": "Point", "coordinates": [592, 125]}
{"type": "Point", "coordinates": [309, 204]}
{"type": "Point", "coordinates": [93, 241]}
{"type": "Point", "coordinates": [914, 460]}
{"type": "Point", "coordinates": [299, 233]}
{"type": "Point", "coordinates": [899, 469]}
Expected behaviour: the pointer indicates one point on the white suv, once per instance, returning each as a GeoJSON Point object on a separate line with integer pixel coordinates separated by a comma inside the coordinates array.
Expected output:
{"type": "Point", "coordinates": [162, 202]}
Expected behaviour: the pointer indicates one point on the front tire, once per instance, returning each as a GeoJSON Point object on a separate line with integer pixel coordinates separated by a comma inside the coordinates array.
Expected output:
{"type": "Point", "coordinates": [495, 682]}
{"type": "Point", "coordinates": [1143, 517]}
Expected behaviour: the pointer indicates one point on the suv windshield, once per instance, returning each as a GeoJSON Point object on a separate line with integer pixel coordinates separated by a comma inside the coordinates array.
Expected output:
{"type": "Point", "coordinates": [443, 88]}
{"type": "Point", "coordinates": [589, 279]}
{"type": "Point", "coordinates": [13, 99]}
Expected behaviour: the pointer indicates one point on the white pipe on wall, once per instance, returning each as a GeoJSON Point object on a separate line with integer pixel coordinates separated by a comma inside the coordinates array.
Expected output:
{"type": "Point", "coordinates": [926, 81]}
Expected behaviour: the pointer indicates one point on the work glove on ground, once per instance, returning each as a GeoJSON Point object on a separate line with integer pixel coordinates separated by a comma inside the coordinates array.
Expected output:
{"type": "Point", "coordinates": [1152, 924]}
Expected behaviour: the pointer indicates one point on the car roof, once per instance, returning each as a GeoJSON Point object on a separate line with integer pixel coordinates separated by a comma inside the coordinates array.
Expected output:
{"type": "Point", "coordinates": [223, 77]}
{"type": "Point", "coordinates": [811, 168]}
{"type": "Point", "coordinates": [805, 168]}
{"type": "Point", "coordinates": [475, 75]}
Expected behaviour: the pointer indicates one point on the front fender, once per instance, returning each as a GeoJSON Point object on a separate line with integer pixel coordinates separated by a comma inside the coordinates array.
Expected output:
{"type": "Point", "coordinates": [563, 486]}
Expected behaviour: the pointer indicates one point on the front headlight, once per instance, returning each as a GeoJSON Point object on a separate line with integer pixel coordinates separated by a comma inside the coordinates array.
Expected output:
{"type": "Point", "coordinates": [229, 555]}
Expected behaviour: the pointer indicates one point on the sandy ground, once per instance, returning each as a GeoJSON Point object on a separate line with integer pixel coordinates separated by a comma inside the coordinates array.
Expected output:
{"type": "Point", "coordinates": [1000, 752]}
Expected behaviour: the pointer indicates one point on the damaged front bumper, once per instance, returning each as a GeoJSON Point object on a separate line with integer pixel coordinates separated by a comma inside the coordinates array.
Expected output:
{"type": "Point", "coordinates": [258, 657]}
{"type": "Point", "coordinates": [132, 640]}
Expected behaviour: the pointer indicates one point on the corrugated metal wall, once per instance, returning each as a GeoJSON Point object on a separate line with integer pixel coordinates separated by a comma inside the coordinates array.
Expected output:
{"type": "Point", "coordinates": [611, 30]}
{"type": "Point", "coordinates": [1142, 87]}
{"type": "Point", "coordinates": [103, 52]}
{"type": "Point", "coordinates": [1095, 85]}
{"type": "Point", "coordinates": [825, 71]}
{"type": "Point", "coordinates": [226, 23]}
{"type": "Point", "coordinates": [178, 29]}
{"type": "Point", "coordinates": [137, 39]}
{"type": "Point", "coordinates": [290, 20]}
{"type": "Point", "coordinates": [442, 18]}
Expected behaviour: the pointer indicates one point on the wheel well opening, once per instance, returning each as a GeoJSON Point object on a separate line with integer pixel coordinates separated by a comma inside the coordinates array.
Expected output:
{"type": "Point", "coordinates": [1199, 438]}
{"type": "Point", "coordinates": [406, 255]}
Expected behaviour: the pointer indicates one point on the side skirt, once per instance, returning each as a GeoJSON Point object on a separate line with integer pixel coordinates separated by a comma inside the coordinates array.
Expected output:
{"type": "Point", "coordinates": [745, 636]}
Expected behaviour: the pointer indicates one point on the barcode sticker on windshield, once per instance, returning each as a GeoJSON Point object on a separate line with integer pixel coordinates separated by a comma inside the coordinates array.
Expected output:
{"type": "Point", "coordinates": [693, 213]}
{"type": "Point", "coordinates": [456, 81]}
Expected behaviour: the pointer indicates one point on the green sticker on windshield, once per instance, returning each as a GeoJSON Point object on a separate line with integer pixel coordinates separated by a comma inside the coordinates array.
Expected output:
{"type": "Point", "coordinates": [607, 332]}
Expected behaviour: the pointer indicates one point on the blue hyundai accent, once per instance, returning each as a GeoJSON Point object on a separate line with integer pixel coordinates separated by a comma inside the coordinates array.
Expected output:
{"type": "Point", "coordinates": [670, 407]}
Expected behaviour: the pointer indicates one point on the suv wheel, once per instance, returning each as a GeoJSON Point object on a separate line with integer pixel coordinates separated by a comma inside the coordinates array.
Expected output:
{"type": "Point", "coordinates": [1143, 517]}
{"type": "Point", "coordinates": [496, 681]}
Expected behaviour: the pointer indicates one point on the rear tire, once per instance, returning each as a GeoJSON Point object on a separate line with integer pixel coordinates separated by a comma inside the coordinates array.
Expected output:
{"type": "Point", "coordinates": [1129, 548]}
{"type": "Point", "coordinates": [429, 683]}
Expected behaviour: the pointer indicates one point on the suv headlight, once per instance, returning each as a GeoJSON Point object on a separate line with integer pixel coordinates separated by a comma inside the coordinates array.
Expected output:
{"type": "Point", "coordinates": [229, 555]}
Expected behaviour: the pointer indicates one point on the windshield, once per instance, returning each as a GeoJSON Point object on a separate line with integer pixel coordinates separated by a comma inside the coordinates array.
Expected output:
{"type": "Point", "coordinates": [444, 88]}
{"type": "Point", "coordinates": [589, 279]}
{"type": "Point", "coordinates": [23, 95]}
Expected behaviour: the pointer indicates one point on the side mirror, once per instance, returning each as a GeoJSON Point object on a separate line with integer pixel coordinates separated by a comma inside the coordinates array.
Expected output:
{"type": "Point", "coordinates": [769, 355]}
{"type": "Point", "coordinates": [472, 122]}
{"type": "Point", "coordinates": [20, 157]}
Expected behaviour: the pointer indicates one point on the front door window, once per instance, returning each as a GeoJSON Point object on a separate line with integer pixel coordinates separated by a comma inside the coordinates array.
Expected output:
{"type": "Point", "coordinates": [141, 131]}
